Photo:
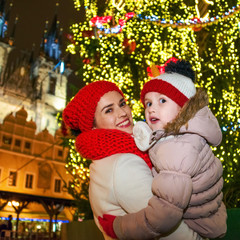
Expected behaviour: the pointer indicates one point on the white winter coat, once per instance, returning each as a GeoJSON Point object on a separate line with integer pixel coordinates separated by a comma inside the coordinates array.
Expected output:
{"type": "Point", "coordinates": [121, 184]}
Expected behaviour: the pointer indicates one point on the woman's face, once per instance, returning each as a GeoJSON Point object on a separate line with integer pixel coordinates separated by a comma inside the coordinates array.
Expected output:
{"type": "Point", "coordinates": [112, 112]}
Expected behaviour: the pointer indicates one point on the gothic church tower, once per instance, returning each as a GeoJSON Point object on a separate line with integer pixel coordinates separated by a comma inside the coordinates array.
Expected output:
{"type": "Point", "coordinates": [39, 84]}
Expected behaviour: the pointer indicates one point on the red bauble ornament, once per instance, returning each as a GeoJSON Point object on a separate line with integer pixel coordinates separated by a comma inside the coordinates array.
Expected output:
{"type": "Point", "coordinates": [86, 60]}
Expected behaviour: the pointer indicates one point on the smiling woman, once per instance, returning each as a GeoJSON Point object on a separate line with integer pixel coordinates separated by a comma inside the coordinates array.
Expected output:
{"type": "Point", "coordinates": [120, 174]}
{"type": "Point", "coordinates": [112, 112]}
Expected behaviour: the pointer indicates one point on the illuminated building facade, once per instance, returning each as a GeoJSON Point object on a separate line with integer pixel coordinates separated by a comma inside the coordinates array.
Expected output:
{"type": "Point", "coordinates": [32, 171]}
{"type": "Point", "coordinates": [37, 83]}
{"type": "Point", "coordinates": [33, 90]}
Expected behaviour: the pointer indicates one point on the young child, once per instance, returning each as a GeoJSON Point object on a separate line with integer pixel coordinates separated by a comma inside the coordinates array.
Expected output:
{"type": "Point", "coordinates": [188, 177]}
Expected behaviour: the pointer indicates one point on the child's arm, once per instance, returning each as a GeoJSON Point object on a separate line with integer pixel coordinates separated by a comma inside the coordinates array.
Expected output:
{"type": "Point", "coordinates": [214, 226]}
{"type": "Point", "coordinates": [157, 219]}
{"type": "Point", "coordinates": [173, 189]}
{"type": "Point", "coordinates": [164, 212]}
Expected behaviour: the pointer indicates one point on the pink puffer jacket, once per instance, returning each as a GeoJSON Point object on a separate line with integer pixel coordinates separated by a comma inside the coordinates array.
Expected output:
{"type": "Point", "coordinates": [188, 181]}
{"type": "Point", "coordinates": [190, 176]}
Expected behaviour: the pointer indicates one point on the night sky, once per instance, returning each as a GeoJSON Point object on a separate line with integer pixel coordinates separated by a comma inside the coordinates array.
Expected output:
{"type": "Point", "coordinates": [32, 15]}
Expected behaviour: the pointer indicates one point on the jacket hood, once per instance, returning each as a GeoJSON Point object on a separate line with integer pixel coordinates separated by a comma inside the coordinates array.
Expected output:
{"type": "Point", "coordinates": [195, 117]}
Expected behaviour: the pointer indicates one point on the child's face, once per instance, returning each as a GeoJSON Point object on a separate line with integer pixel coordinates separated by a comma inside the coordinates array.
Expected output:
{"type": "Point", "coordinates": [159, 110]}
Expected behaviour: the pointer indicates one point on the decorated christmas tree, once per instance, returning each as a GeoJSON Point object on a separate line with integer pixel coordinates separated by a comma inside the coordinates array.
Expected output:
{"type": "Point", "coordinates": [127, 41]}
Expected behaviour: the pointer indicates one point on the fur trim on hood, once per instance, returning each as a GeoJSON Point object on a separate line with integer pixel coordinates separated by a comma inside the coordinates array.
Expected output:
{"type": "Point", "coordinates": [189, 110]}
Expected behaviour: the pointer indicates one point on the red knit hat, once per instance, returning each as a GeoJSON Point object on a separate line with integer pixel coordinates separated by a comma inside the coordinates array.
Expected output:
{"type": "Point", "coordinates": [176, 86]}
{"type": "Point", "coordinates": [79, 113]}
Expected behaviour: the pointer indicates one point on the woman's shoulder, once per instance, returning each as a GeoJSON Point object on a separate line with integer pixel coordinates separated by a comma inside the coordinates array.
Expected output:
{"type": "Point", "coordinates": [121, 160]}
{"type": "Point", "coordinates": [130, 160]}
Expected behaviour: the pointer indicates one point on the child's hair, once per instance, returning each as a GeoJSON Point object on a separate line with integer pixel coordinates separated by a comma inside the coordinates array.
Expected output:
{"type": "Point", "coordinates": [198, 101]}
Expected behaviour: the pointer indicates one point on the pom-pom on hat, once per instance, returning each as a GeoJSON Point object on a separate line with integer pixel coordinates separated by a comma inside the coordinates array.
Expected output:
{"type": "Point", "coordinates": [177, 83]}
{"type": "Point", "coordinates": [80, 111]}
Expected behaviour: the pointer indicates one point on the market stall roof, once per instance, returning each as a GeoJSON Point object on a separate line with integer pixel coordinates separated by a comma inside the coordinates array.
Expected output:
{"type": "Point", "coordinates": [20, 197]}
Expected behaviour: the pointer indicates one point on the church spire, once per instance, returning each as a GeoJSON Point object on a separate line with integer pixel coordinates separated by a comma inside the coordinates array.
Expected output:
{"type": "Point", "coordinates": [31, 59]}
{"type": "Point", "coordinates": [2, 15]}
{"type": "Point", "coordinates": [52, 39]}
{"type": "Point", "coordinates": [12, 36]}
{"type": "Point", "coordinates": [2, 6]}
{"type": "Point", "coordinates": [5, 19]}
{"type": "Point", "coordinates": [44, 38]}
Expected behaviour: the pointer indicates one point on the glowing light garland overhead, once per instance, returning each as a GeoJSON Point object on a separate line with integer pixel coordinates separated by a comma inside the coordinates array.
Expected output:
{"type": "Point", "coordinates": [101, 23]}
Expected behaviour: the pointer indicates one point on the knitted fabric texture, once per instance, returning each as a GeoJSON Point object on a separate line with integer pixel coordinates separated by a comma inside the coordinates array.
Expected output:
{"type": "Point", "coordinates": [177, 87]}
{"type": "Point", "coordinates": [101, 143]}
{"type": "Point", "coordinates": [79, 113]}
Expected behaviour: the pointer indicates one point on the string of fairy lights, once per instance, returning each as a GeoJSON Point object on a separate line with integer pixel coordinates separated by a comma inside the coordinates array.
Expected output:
{"type": "Point", "coordinates": [103, 24]}
{"type": "Point", "coordinates": [154, 32]}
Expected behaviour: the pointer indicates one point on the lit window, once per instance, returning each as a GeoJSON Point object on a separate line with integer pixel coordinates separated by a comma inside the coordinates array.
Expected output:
{"type": "Point", "coordinates": [60, 153]}
{"type": "Point", "coordinates": [52, 85]}
{"type": "Point", "coordinates": [27, 145]}
{"type": "Point", "coordinates": [7, 140]}
{"type": "Point", "coordinates": [29, 181]}
{"type": "Point", "coordinates": [12, 178]}
{"type": "Point", "coordinates": [17, 143]}
{"type": "Point", "coordinates": [57, 187]}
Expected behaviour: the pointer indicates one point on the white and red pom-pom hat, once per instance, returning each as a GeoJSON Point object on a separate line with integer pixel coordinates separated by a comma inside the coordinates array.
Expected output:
{"type": "Point", "coordinates": [176, 86]}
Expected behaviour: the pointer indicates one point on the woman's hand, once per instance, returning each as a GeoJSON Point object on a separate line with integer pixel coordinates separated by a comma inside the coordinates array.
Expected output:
{"type": "Point", "coordinates": [107, 224]}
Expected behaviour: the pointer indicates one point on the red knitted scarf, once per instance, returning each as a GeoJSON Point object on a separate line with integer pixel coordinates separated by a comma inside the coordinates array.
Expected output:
{"type": "Point", "coordinates": [100, 143]}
